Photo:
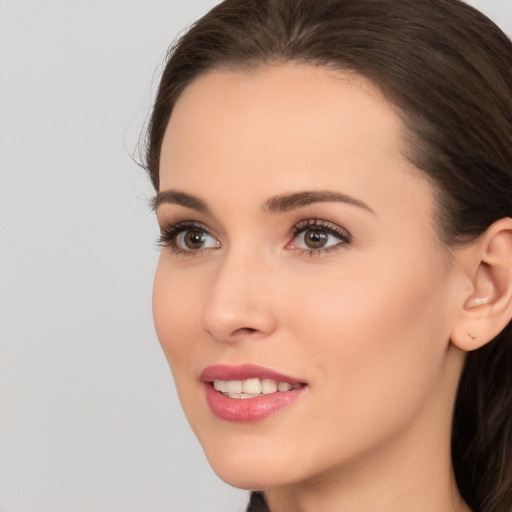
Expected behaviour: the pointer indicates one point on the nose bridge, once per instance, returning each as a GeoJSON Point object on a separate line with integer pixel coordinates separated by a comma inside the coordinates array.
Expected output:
{"type": "Point", "coordinates": [239, 302]}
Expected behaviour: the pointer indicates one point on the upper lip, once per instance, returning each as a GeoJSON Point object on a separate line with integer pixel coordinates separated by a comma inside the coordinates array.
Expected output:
{"type": "Point", "coordinates": [244, 372]}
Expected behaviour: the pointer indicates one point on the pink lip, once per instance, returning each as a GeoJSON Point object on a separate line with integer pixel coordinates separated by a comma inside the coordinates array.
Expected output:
{"type": "Point", "coordinates": [250, 409]}
{"type": "Point", "coordinates": [243, 372]}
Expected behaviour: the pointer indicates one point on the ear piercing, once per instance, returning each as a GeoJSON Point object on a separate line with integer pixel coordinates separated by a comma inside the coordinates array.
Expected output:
{"type": "Point", "coordinates": [472, 336]}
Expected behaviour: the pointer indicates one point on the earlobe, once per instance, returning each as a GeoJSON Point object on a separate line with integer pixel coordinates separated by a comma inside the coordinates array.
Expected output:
{"type": "Point", "coordinates": [488, 309]}
{"type": "Point", "coordinates": [473, 302]}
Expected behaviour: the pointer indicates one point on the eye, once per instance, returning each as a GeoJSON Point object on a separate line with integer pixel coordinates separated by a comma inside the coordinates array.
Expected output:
{"type": "Point", "coordinates": [194, 239]}
{"type": "Point", "coordinates": [187, 238]}
{"type": "Point", "coordinates": [317, 236]}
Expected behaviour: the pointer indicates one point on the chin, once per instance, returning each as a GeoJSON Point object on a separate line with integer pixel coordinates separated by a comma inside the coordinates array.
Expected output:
{"type": "Point", "coordinates": [249, 469]}
{"type": "Point", "coordinates": [250, 478]}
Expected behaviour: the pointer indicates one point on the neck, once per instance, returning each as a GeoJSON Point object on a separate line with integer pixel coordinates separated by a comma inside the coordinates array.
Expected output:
{"type": "Point", "coordinates": [405, 485]}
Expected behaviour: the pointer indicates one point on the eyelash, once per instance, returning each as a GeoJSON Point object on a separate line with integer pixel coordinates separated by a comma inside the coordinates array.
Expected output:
{"type": "Point", "coordinates": [344, 237]}
{"type": "Point", "coordinates": [169, 235]}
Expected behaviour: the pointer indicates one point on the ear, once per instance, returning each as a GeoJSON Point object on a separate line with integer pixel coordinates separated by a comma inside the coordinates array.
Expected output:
{"type": "Point", "coordinates": [487, 309]}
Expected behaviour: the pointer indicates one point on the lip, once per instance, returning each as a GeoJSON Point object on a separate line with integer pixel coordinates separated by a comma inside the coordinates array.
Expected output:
{"type": "Point", "coordinates": [250, 409]}
{"type": "Point", "coordinates": [243, 372]}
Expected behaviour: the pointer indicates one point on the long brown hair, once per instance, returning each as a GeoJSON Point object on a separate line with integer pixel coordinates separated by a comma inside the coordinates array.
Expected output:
{"type": "Point", "coordinates": [448, 71]}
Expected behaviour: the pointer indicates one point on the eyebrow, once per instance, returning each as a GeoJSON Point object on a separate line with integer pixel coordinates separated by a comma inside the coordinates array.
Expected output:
{"type": "Point", "coordinates": [179, 198]}
{"type": "Point", "coordinates": [287, 202]}
{"type": "Point", "coordinates": [278, 204]}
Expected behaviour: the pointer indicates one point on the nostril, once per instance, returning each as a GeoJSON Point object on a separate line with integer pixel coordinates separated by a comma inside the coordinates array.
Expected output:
{"type": "Point", "coordinates": [244, 331]}
{"type": "Point", "coordinates": [236, 319]}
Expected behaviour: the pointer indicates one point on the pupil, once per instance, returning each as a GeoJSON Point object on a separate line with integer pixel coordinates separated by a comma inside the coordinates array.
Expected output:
{"type": "Point", "coordinates": [194, 239]}
{"type": "Point", "coordinates": [316, 239]}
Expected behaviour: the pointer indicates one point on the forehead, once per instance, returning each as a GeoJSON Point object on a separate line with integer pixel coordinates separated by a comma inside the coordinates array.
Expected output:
{"type": "Point", "coordinates": [284, 127]}
{"type": "Point", "coordinates": [280, 104]}
{"type": "Point", "coordinates": [264, 102]}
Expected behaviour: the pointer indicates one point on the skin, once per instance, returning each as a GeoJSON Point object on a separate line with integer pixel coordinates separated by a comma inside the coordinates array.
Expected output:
{"type": "Point", "coordinates": [366, 323]}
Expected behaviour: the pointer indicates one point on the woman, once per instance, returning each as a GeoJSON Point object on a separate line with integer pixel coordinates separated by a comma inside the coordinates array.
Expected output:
{"type": "Point", "coordinates": [334, 292]}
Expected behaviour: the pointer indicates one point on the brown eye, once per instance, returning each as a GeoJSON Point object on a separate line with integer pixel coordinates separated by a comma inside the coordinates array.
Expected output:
{"type": "Point", "coordinates": [315, 238]}
{"type": "Point", "coordinates": [193, 239]}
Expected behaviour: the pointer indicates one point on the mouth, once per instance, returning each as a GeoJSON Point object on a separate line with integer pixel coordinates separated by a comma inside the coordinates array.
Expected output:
{"type": "Point", "coordinates": [252, 388]}
{"type": "Point", "coordinates": [248, 392]}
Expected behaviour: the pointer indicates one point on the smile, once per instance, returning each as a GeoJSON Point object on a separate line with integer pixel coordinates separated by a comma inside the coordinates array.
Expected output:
{"type": "Point", "coordinates": [252, 388]}
{"type": "Point", "coordinates": [248, 393]}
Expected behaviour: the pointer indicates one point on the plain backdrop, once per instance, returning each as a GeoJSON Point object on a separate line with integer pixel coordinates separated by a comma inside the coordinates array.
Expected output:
{"type": "Point", "coordinates": [89, 418]}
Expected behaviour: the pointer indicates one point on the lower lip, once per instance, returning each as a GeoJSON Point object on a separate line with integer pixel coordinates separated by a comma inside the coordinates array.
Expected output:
{"type": "Point", "coordinates": [249, 409]}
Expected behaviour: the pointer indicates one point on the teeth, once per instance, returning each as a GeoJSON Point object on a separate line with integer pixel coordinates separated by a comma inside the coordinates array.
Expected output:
{"type": "Point", "coordinates": [242, 396]}
{"type": "Point", "coordinates": [251, 388]}
{"type": "Point", "coordinates": [234, 386]}
{"type": "Point", "coordinates": [268, 386]}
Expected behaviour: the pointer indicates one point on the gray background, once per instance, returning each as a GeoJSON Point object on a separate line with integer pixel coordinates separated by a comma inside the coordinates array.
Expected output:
{"type": "Point", "coordinates": [89, 418]}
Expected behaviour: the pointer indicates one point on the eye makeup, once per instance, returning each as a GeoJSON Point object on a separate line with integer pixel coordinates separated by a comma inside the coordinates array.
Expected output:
{"type": "Point", "coordinates": [315, 236]}
{"type": "Point", "coordinates": [187, 238]}
{"type": "Point", "coordinates": [309, 237]}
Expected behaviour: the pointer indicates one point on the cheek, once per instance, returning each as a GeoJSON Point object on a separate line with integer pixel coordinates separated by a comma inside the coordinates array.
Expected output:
{"type": "Point", "coordinates": [374, 334]}
{"type": "Point", "coordinates": [175, 314]}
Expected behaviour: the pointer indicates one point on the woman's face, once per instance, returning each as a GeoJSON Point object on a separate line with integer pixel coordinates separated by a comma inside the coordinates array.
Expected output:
{"type": "Point", "coordinates": [299, 247]}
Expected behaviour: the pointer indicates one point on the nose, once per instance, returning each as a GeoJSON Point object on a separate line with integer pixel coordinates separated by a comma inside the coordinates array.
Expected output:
{"type": "Point", "coordinates": [240, 302]}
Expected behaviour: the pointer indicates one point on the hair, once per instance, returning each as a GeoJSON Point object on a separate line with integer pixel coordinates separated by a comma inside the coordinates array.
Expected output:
{"type": "Point", "coordinates": [447, 70]}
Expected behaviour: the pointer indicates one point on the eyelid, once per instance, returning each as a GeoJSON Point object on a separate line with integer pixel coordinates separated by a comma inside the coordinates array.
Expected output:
{"type": "Point", "coordinates": [170, 232]}
{"type": "Point", "coordinates": [343, 235]}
